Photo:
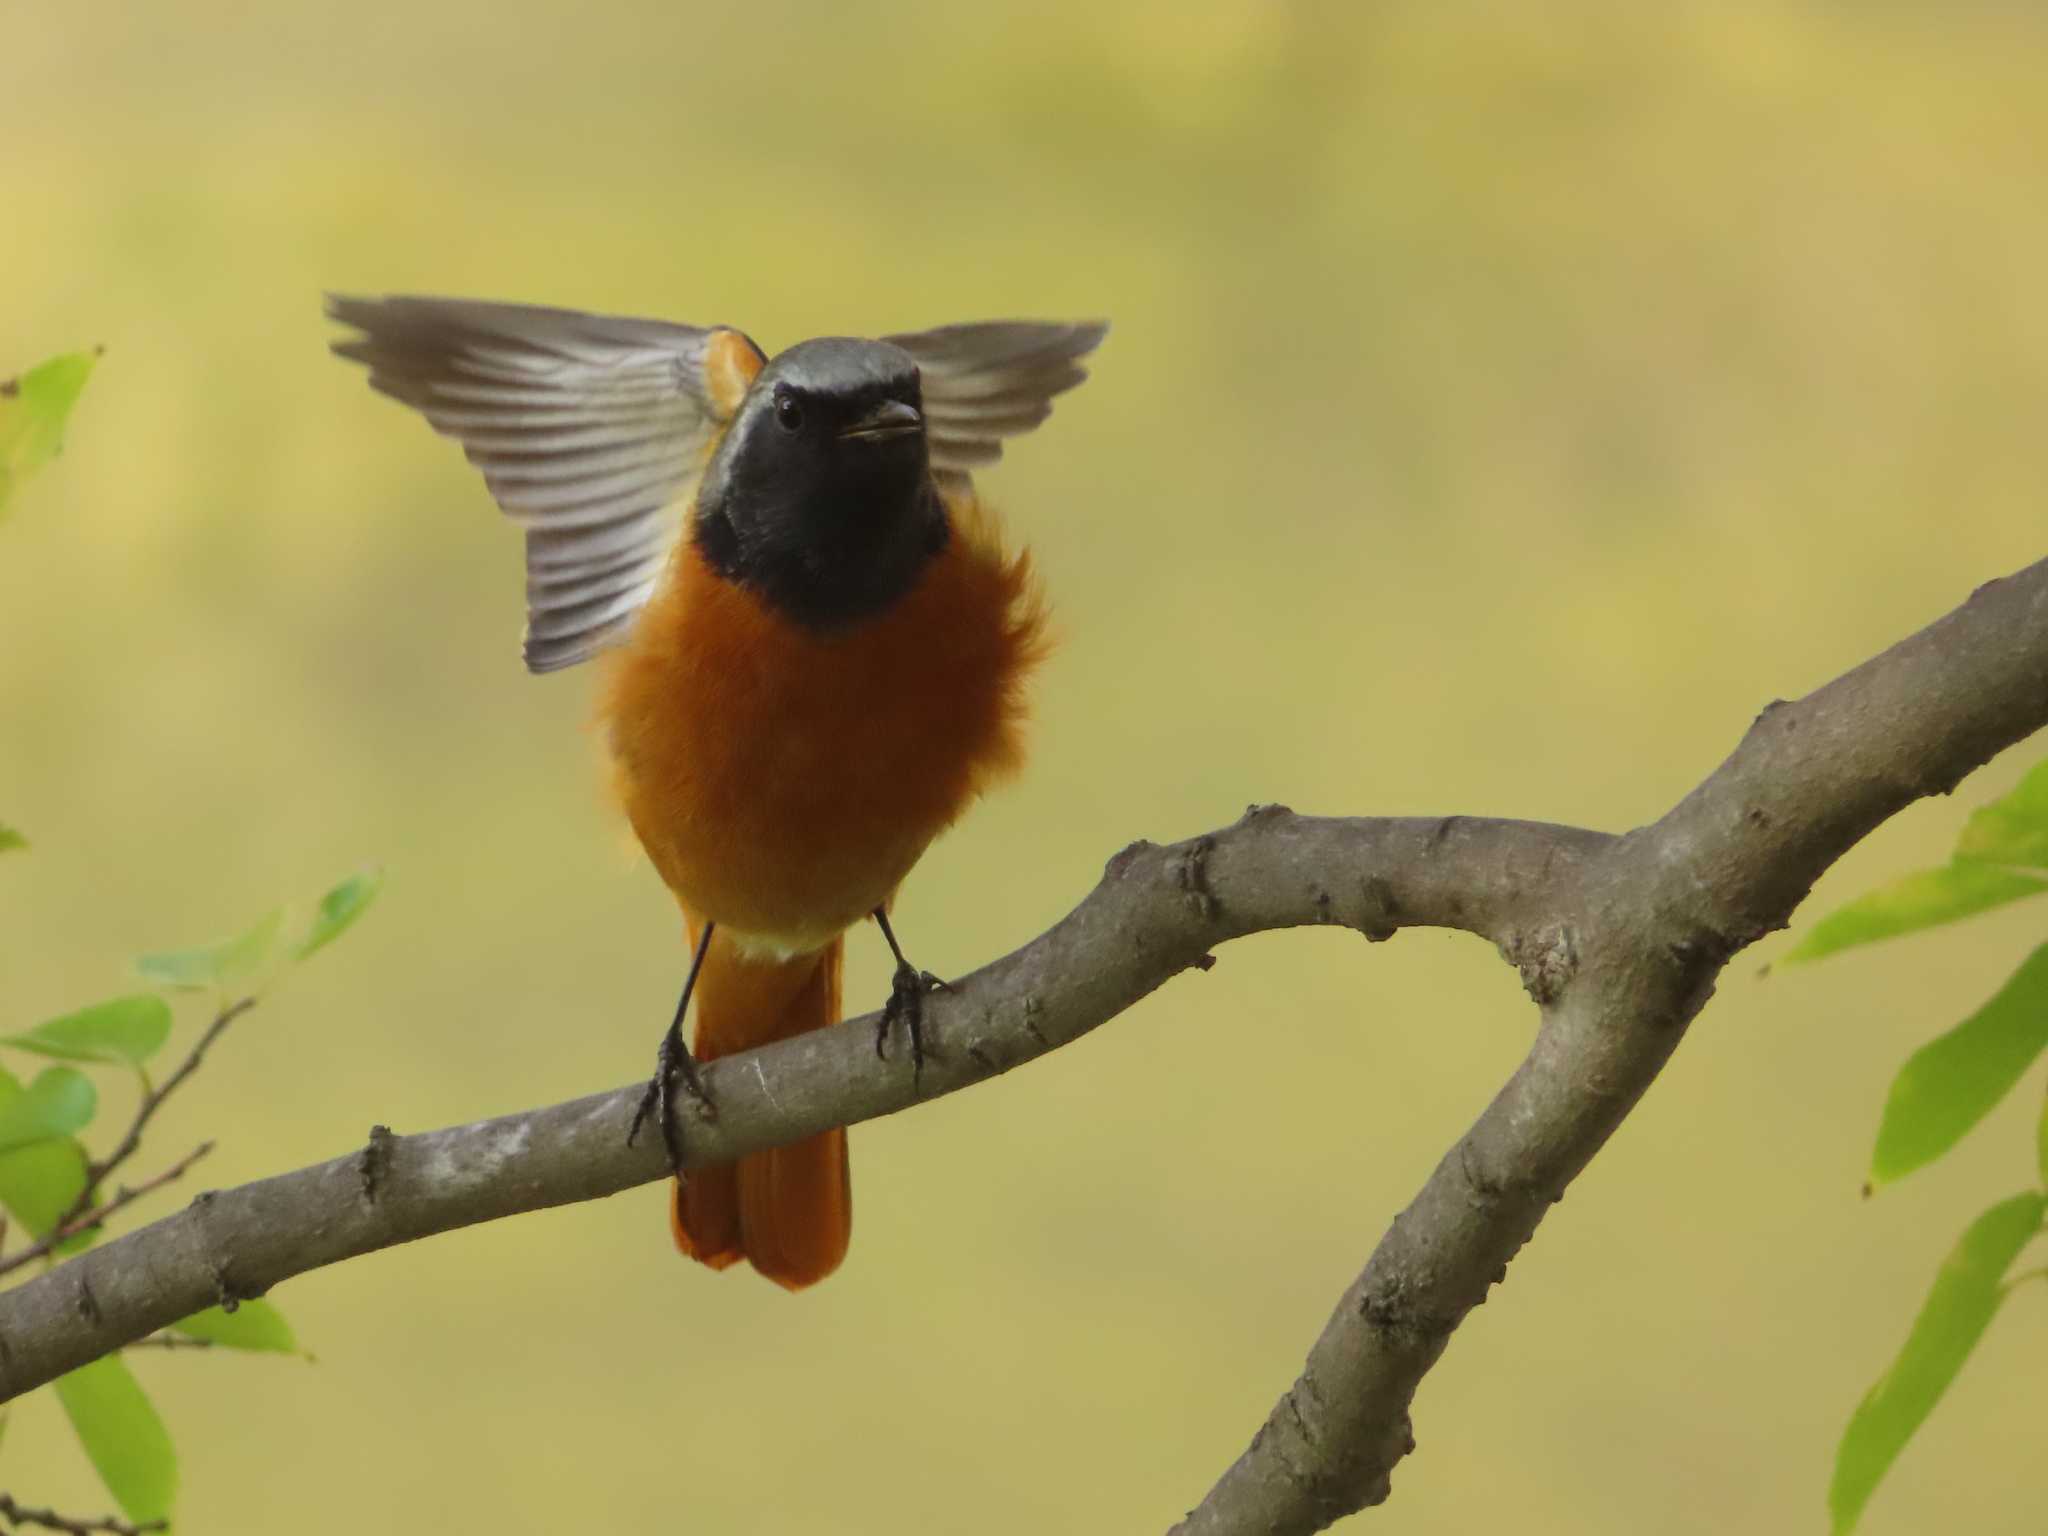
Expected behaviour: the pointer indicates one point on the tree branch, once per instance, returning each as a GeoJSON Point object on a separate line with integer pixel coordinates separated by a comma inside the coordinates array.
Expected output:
{"type": "Point", "coordinates": [88, 1211]}
{"type": "Point", "coordinates": [1156, 912]}
{"type": "Point", "coordinates": [1629, 956]}
{"type": "Point", "coordinates": [1618, 939]}
{"type": "Point", "coordinates": [152, 1101]}
{"type": "Point", "coordinates": [50, 1520]}
{"type": "Point", "coordinates": [88, 1217]}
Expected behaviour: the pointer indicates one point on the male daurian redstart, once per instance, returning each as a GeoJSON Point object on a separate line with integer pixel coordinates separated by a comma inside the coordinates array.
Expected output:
{"type": "Point", "coordinates": [818, 643]}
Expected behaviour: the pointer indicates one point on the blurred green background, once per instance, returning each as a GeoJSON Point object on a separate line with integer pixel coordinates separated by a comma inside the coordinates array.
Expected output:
{"type": "Point", "coordinates": [1504, 404]}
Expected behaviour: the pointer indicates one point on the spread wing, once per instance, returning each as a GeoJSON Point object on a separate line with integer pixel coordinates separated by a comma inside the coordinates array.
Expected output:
{"type": "Point", "coordinates": [995, 379]}
{"type": "Point", "coordinates": [589, 431]}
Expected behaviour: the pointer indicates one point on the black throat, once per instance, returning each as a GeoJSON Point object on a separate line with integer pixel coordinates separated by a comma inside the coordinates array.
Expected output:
{"type": "Point", "coordinates": [826, 557]}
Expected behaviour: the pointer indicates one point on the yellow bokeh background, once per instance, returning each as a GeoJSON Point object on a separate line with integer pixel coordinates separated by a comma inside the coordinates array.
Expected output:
{"type": "Point", "coordinates": [1504, 404]}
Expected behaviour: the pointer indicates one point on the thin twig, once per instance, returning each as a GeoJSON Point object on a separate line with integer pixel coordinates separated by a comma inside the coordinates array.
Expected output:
{"type": "Point", "coordinates": [50, 1520]}
{"type": "Point", "coordinates": [86, 1220]}
{"type": "Point", "coordinates": [86, 1211]}
{"type": "Point", "coordinates": [1618, 940]}
{"type": "Point", "coordinates": [168, 1341]}
{"type": "Point", "coordinates": [152, 1101]}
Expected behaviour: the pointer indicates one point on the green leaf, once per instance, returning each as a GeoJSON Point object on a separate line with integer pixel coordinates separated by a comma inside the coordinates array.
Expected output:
{"type": "Point", "coordinates": [123, 1436]}
{"type": "Point", "coordinates": [60, 1101]}
{"type": "Point", "coordinates": [130, 1029]}
{"type": "Point", "coordinates": [33, 410]}
{"type": "Point", "coordinates": [2041, 1145]}
{"type": "Point", "coordinates": [2012, 830]}
{"type": "Point", "coordinates": [10, 839]}
{"type": "Point", "coordinates": [252, 1325]}
{"type": "Point", "coordinates": [1957, 1311]}
{"type": "Point", "coordinates": [1954, 1080]}
{"type": "Point", "coordinates": [338, 909]}
{"type": "Point", "coordinates": [216, 965]}
{"type": "Point", "coordinates": [39, 1183]}
{"type": "Point", "coordinates": [1922, 900]}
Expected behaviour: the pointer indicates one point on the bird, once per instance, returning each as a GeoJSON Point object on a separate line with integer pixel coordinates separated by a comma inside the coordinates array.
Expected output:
{"type": "Point", "coordinates": [816, 642]}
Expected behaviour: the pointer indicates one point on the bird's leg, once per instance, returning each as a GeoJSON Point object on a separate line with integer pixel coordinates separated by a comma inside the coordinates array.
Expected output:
{"type": "Point", "coordinates": [906, 1001]}
{"type": "Point", "coordinates": [673, 1063]}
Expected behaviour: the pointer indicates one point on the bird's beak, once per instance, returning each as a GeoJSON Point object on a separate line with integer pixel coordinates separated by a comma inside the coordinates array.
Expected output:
{"type": "Point", "coordinates": [891, 418]}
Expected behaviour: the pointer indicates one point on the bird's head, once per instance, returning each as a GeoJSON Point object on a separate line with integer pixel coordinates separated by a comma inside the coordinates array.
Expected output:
{"type": "Point", "coordinates": [820, 495]}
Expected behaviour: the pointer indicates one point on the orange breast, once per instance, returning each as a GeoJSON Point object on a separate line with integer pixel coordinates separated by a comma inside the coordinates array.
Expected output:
{"type": "Point", "coordinates": [784, 782]}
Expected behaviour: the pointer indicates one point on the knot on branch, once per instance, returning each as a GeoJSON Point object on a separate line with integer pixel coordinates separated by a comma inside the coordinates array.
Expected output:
{"type": "Point", "coordinates": [1701, 952]}
{"type": "Point", "coordinates": [1030, 1009]}
{"type": "Point", "coordinates": [1389, 1309]}
{"type": "Point", "coordinates": [1121, 861]}
{"type": "Point", "coordinates": [1257, 815]}
{"type": "Point", "coordinates": [374, 1162]}
{"type": "Point", "coordinates": [1546, 961]}
{"type": "Point", "coordinates": [226, 1294]}
{"type": "Point", "coordinates": [1335, 1473]}
{"type": "Point", "coordinates": [1486, 1189]}
{"type": "Point", "coordinates": [1703, 948]}
{"type": "Point", "coordinates": [1191, 875]}
{"type": "Point", "coordinates": [1382, 917]}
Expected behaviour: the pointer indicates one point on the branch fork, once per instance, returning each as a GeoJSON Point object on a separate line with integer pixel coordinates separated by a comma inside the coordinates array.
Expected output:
{"type": "Point", "coordinates": [1619, 941]}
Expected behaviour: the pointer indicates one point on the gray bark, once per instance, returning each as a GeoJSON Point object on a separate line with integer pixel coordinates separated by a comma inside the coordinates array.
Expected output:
{"type": "Point", "coordinates": [1618, 940]}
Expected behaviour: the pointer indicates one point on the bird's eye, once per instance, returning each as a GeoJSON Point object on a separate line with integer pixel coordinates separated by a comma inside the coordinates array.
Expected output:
{"type": "Point", "coordinates": [789, 412]}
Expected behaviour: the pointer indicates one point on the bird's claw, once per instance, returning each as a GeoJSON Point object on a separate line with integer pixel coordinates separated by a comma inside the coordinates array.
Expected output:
{"type": "Point", "coordinates": [907, 993]}
{"type": "Point", "coordinates": [673, 1064]}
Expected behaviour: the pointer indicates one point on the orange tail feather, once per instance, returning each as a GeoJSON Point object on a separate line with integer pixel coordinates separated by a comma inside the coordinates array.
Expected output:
{"type": "Point", "coordinates": [787, 1211]}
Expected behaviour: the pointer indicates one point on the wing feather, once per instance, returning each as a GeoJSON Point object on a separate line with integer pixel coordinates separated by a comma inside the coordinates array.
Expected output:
{"type": "Point", "coordinates": [589, 430]}
{"type": "Point", "coordinates": [990, 380]}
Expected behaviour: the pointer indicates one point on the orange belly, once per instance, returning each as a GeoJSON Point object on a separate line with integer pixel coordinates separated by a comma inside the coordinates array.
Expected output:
{"type": "Point", "coordinates": [784, 782]}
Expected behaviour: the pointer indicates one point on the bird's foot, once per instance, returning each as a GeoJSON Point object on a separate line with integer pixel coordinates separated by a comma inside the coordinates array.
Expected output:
{"type": "Point", "coordinates": [906, 1005]}
{"type": "Point", "coordinates": [673, 1065]}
